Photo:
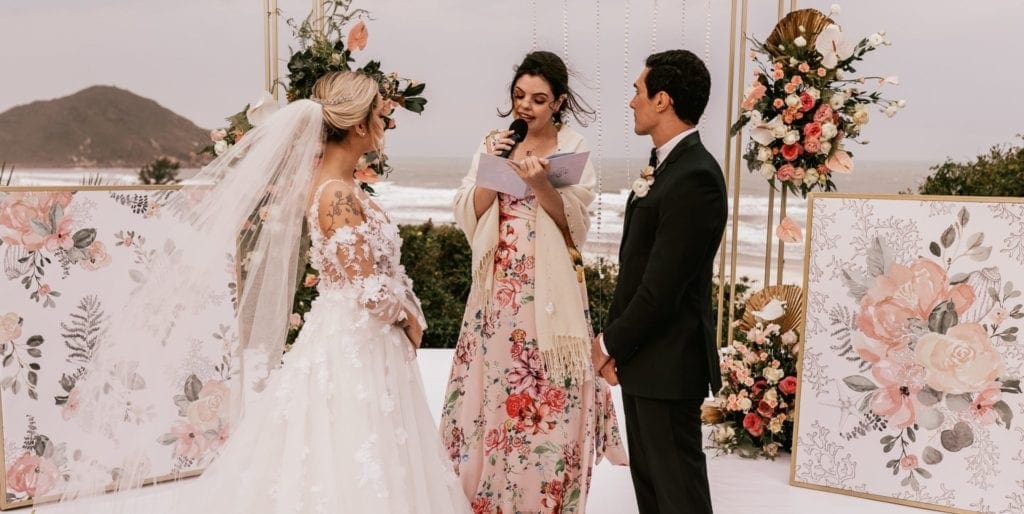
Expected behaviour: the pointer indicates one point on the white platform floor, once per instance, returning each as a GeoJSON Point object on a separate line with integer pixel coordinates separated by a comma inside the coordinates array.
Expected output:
{"type": "Point", "coordinates": [738, 486]}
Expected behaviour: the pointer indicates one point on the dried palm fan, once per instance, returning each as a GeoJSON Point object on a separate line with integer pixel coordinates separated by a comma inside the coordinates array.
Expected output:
{"type": "Point", "coordinates": [787, 29]}
{"type": "Point", "coordinates": [790, 294]}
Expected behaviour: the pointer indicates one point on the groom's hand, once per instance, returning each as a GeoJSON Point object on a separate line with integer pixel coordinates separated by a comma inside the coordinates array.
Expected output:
{"type": "Point", "coordinates": [609, 373]}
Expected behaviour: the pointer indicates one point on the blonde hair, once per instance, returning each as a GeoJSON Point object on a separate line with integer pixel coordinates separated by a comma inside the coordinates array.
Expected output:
{"type": "Point", "coordinates": [348, 98]}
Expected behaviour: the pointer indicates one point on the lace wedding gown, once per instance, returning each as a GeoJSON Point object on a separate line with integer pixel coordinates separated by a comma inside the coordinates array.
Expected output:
{"type": "Point", "coordinates": [343, 426]}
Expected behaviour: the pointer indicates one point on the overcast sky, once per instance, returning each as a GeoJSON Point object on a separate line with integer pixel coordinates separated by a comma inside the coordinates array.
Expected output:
{"type": "Point", "coordinates": [204, 60]}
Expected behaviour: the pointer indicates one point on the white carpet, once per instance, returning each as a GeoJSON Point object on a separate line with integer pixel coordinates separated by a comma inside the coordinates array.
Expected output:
{"type": "Point", "coordinates": [738, 486]}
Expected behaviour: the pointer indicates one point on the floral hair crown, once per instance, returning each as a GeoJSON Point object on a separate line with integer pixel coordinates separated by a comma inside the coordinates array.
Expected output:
{"type": "Point", "coordinates": [331, 101]}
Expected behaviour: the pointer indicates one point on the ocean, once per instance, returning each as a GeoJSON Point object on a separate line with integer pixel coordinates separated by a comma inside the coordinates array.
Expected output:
{"type": "Point", "coordinates": [421, 189]}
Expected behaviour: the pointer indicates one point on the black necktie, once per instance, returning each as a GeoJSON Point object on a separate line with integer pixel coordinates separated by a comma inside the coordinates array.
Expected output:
{"type": "Point", "coordinates": [654, 158]}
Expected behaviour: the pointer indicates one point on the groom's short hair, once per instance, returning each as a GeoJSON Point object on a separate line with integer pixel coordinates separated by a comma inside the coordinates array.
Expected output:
{"type": "Point", "coordinates": [684, 77]}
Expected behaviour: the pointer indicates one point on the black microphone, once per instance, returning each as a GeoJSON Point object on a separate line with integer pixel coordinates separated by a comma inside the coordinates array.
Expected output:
{"type": "Point", "coordinates": [519, 129]}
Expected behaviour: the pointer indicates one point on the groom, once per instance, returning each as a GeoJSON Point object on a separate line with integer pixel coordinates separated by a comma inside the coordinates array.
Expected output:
{"type": "Point", "coordinates": [659, 341]}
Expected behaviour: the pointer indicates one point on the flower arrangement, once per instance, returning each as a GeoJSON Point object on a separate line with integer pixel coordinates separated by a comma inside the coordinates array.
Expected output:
{"type": "Point", "coordinates": [805, 102]}
{"type": "Point", "coordinates": [753, 415]}
{"type": "Point", "coordinates": [320, 52]}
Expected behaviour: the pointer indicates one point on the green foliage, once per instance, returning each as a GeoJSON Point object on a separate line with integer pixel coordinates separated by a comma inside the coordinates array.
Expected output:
{"type": "Point", "coordinates": [161, 171]}
{"type": "Point", "coordinates": [1000, 172]}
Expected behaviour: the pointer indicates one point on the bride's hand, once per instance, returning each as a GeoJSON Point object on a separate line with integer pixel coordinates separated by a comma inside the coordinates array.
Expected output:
{"type": "Point", "coordinates": [498, 141]}
{"type": "Point", "coordinates": [413, 330]}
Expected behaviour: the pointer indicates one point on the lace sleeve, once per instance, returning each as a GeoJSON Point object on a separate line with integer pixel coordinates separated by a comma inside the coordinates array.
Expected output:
{"type": "Point", "coordinates": [350, 257]}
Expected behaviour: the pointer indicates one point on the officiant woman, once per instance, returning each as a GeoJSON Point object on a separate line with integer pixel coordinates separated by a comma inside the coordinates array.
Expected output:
{"type": "Point", "coordinates": [525, 417]}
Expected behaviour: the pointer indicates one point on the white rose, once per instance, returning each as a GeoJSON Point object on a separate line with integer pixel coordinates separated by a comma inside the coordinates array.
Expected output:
{"type": "Point", "coordinates": [901, 103]}
{"type": "Point", "coordinates": [779, 131]}
{"type": "Point", "coordinates": [828, 130]}
{"type": "Point", "coordinates": [773, 375]}
{"type": "Point", "coordinates": [789, 338]}
{"type": "Point", "coordinates": [792, 100]}
{"type": "Point", "coordinates": [860, 114]}
{"type": "Point", "coordinates": [791, 137]}
{"type": "Point", "coordinates": [764, 154]}
{"type": "Point", "coordinates": [891, 110]}
{"type": "Point", "coordinates": [815, 94]}
{"type": "Point", "coordinates": [800, 42]}
{"type": "Point", "coordinates": [810, 176]}
{"type": "Point", "coordinates": [220, 147]}
{"type": "Point", "coordinates": [876, 40]}
{"type": "Point", "coordinates": [744, 403]}
{"type": "Point", "coordinates": [793, 61]}
{"type": "Point", "coordinates": [825, 148]}
{"type": "Point", "coordinates": [641, 187]}
{"type": "Point", "coordinates": [767, 170]}
{"type": "Point", "coordinates": [724, 434]}
{"type": "Point", "coordinates": [840, 75]}
{"type": "Point", "coordinates": [755, 117]}
{"type": "Point", "coordinates": [837, 101]}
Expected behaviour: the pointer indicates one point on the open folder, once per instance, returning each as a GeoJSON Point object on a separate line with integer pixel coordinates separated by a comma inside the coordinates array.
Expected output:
{"type": "Point", "coordinates": [496, 174]}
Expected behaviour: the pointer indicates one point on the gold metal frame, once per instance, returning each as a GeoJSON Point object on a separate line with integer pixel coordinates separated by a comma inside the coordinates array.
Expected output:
{"type": "Point", "coordinates": [803, 337]}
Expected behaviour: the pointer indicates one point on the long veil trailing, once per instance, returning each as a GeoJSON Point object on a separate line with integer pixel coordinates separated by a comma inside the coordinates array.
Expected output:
{"type": "Point", "coordinates": [253, 197]}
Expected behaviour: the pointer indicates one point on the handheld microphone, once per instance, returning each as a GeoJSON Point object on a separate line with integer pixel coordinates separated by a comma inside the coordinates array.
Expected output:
{"type": "Point", "coordinates": [519, 129]}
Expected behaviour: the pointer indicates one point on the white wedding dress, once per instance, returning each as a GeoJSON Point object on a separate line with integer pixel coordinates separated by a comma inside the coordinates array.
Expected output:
{"type": "Point", "coordinates": [343, 426]}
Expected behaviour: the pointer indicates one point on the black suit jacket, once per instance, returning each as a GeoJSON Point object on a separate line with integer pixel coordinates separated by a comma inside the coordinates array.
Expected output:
{"type": "Point", "coordinates": [660, 330]}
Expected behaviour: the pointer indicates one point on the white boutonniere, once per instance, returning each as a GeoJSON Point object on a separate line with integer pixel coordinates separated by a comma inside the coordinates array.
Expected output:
{"type": "Point", "coordinates": [642, 185]}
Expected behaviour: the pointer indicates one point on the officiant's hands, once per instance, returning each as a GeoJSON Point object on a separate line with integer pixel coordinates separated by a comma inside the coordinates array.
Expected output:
{"type": "Point", "coordinates": [533, 170]}
{"type": "Point", "coordinates": [498, 141]}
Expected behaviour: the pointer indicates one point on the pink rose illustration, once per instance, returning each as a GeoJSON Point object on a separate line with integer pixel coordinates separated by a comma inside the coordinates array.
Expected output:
{"type": "Point", "coordinates": [98, 257]}
{"type": "Point", "coordinates": [961, 361]}
{"type": "Point", "coordinates": [982, 406]}
{"type": "Point", "coordinates": [32, 475]}
{"type": "Point", "coordinates": [206, 412]}
{"type": "Point", "coordinates": [496, 439]}
{"type": "Point", "coordinates": [191, 441]}
{"type": "Point", "coordinates": [899, 380]}
{"type": "Point", "coordinates": [18, 211]}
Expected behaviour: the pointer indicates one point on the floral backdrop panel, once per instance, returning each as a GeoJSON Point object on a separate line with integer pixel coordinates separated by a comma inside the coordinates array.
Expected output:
{"type": "Point", "coordinates": [910, 378]}
{"type": "Point", "coordinates": [69, 261]}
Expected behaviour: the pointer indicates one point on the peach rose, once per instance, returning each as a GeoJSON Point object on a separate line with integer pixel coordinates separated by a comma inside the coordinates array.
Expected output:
{"type": "Point", "coordinates": [32, 475]}
{"type": "Point", "coordinates": [358, 36]}
{"type": "Point", "coordinates": [823, 114]}
{"type": "Point", "coordinates": [812, 145]}
{"type": "Point", "coordinates": [10, 327]}
{"type": "Point", "coordinates": [962, 360]}
{"type": "Point", "coordinates": [803, 67]}
{"type": "Point", "coordinates": [908, 293]}
{"type": "Point", "coordinates": [311, 280]}
{"type": "Point", "coordinates": [97, 257]}
{"type": "Point", "coordinates": [785, 172]}
{"type": "Point", "coordinates": [812, 130]}
{"type": "Point", "coordinates": [791, 152]}
{"type": "Point", "coordinates": [206, 412]}
{"type": "Point", "coordinates": [778, 103]}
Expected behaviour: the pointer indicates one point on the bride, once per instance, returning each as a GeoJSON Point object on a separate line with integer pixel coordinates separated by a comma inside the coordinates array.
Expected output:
{"type": "Point", "coordinates": [343, 424]}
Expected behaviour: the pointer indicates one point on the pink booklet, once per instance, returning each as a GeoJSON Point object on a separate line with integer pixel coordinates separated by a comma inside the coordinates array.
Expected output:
{"type": "Point", "coordinates": [496, 174]}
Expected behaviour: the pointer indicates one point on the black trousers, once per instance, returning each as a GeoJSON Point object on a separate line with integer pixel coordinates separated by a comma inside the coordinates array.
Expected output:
{"type": "Point", "coordinates": [666, 455]}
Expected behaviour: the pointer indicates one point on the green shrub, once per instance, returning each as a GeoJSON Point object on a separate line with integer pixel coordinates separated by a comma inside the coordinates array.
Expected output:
{"type": "Point", "coordinates": [1000, 172]}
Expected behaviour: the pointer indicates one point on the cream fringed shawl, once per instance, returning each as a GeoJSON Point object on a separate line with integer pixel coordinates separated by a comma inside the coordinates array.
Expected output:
{"type": "Point", "coordinates": [563, 332]}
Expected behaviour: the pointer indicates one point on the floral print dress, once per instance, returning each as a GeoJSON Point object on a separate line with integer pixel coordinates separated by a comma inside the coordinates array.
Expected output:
{"type": "Point", "coordinates": [519, 442]}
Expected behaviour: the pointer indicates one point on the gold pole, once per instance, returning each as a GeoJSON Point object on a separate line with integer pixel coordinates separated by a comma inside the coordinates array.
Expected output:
{"type": "Point", "coordinates": [736, 175]}
{"type": "Point", "coordinates": [318, 16]}
{"type": "Point", "coordinates": [728, 148]}
{"type": "Point", "coordinates": [274, 72]}
{"type": "Point", "coordinates": [267, 81]}
{"type": "Point", "coordinates": [782, 244]}
{"type": "Point", "coordinates": [769, 239]}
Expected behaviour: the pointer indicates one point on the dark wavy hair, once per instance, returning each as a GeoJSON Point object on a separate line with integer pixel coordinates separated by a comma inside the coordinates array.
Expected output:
{"type": "Point", "coordinates": [684, 77]}
{"type": "Point", "coordinates": [552, 69]}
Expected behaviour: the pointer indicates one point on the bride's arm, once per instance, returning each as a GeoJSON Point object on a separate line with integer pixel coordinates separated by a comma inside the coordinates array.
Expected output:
{"type": "Point", "coordinates": [341, 217]}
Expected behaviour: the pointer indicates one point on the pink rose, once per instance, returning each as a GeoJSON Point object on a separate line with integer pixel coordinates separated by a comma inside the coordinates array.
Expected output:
{"type": "Point", "coordinates": [908, 293]}
{"type": "Point", "coordinates": [19, 210]}
{"type": "Point", "coordinates": [823, 114]}
{"type": "Point", "coordinates": [97, 257]}
{"type": "Point", "coordinates": [812, 145]}
{"type": "Point", "coordinates": [555, 398]}
{"type": "Point", "coordinates": [778, 103]}
{"type": "Point", "coordinates": [806, 101]}
{"type": "Point", "coordinates": [791, 152]}
{"type": "Point", "coordinates": [908, 462]}
{"type": "Point", "coordinates": [982, 406]}
{"type": "Point", "coordinates": [803, 67]}
{"type": "Point", "coordinates": [481, 505]}
{"type": "Point", "coordinates": [788, 385]}
{"type": "Point", "coordinates": [962, 360]}
{"type": "Point", "coordinates": [812, 130]}
{"type": "Point", "coordinates": [206, 412]}
{"type": "Point", "coordinates": [294, 320]}
{"type": "Point", "coordinates": [785, 172]}
{"type": "Point", "coordinates": [496, 439]}
{"type": "Point", "coordinates": [515, 404]}
{"type": "Point", "coordinates": [10, 327]}
{"type": "Point", "coordinates": [32, 475]}
{"type": "Point", "coordinates": [753, 423]}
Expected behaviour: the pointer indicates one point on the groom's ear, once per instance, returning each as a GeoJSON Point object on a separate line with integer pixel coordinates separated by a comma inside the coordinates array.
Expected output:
{"type": "Point", "coordinates": [662, 101]}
